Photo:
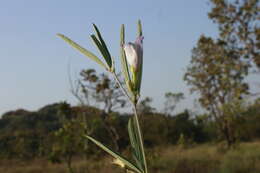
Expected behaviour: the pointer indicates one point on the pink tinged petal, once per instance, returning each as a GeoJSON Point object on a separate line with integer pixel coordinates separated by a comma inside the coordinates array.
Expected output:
{"type": "Point", "coordinates": [139, 40]}
{"type": "Point", "coordinates": [139, 50]}
{"type": "Point", "coordinates": [134, 52]}
{"type": "Point", "coordinates": [131, 54]}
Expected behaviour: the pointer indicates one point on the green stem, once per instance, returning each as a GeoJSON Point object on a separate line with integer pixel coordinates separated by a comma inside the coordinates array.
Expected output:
{"type": "Point", "coordinates": [140, 137]}
{"type": "Point", "coordinates": [121, 86]}
{"type": "Point", "coordinates": [136, 119]}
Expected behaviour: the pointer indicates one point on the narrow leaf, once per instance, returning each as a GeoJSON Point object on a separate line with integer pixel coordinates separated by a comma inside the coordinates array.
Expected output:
{"type": "Point", "coordinates": [133, 137]}
{"type": "Point", "coordinates": [102, 50]}
{"type": "Point", "coordinates": [142, 157]}
{"type": "Point", "coordinates": [136, 149]}
{"type": "Point", "coordinates": [114, 154]}
{"type": "Point", "coordinates": [82, 50]}
{"type": "Point", "coordinates": [108, 56]}
{"type": "Point", "coordinates": [137, 161]}
{"type": "Point", "coordinates": [137, 131]}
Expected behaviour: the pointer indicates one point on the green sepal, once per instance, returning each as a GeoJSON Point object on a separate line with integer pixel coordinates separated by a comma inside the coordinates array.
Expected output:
{"type": "Point", "coordinates": [114, 154]}
{"type": "Point", "coordinates": [82, 50]}
{"type": "Point", "coordinates": [139, 78]}
{"type": "Point", "coordinates": [140, 68]}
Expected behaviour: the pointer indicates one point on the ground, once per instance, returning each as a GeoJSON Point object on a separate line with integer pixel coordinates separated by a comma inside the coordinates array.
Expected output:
{"type": "Point", "coordinates": [206, 158]}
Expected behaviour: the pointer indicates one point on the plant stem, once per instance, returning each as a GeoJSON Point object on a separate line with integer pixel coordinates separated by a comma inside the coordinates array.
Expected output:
{"type": "Point", "coordinates": [136, 119]}
{"type": "Point", "coordinates": [140, 137]}
{"type": "Point", "coordinates": [121, 86]}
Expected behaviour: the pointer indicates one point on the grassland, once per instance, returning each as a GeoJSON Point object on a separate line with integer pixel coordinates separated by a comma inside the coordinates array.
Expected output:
{"type": "Point", "coordinates": [207, 158]}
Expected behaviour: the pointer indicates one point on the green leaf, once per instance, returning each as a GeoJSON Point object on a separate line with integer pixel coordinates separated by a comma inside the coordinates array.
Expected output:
{"type": "Point", "coordinates": [83, 50]}
{"type": "Point", "coordinates": [114, 154]}
{"type": "Point", "coordinates": [105, 49]}
{"type": "Point", "coordinates": [135, 143]}
{"type": "Point", "coordinates": [102, 50]}
{"type": "Point", "coordinates": [124, 64]}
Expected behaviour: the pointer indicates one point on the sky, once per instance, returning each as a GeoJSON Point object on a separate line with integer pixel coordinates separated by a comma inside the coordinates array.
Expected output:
{"type": "Point", "coordinates": [34, 61]}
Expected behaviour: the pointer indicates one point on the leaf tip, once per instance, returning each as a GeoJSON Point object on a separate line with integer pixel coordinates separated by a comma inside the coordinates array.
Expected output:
{"type": "Point", "coordinates": [59, 35]}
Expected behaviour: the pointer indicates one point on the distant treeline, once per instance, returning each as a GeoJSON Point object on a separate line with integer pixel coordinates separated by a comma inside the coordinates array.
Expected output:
{"type": "Point", "coordinates": [57, 130]}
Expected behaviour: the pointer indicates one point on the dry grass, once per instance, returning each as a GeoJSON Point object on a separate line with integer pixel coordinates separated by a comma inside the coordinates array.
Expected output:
{"type": "Point", "coordinates": [172, 159]}
{"type": "Point", "coordinates": [43, 166]}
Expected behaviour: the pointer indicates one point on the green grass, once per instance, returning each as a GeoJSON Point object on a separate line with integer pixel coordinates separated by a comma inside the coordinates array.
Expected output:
{"type": "Point", "coordinates": [208, 158]}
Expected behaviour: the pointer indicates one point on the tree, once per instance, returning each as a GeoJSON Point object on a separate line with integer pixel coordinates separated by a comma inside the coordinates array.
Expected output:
{"type": "Point", "coordinates": [217, 74]}
{"type": "Point", "coordinates": [218, 68]}
{"type": "Point", "coordinates": [238, 23]}
{"type": "Point", "coordinates": [68, 142]}
{"type": "Point", "coordinates": [251, 123]}
{"type": "Point", "coordinates": [172, 99]}
{"type": "Point", "coordinates": [144, 106]}
{"type": "Point", "coordinates": [93, 88]}
{"type": "Point", "coordinates": [69, 139]}
{"type": "Point", "coordinates": [102, 90]}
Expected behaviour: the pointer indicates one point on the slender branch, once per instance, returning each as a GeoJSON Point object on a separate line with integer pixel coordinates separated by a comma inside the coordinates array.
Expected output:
{"type": "Point", "coordinates": [136, 119]}
{"type": "Point", "coordinates": [122, 88]}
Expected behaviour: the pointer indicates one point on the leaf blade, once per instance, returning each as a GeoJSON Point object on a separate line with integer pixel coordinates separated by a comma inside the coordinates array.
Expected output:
{"type": "Point", "coordinates": [108, 56]}
{"type": "Point", "coordinates": [115, 155]}
{"type": "Point", "coordinates": [101, 49]}
{"type": "Point", "coordinates": [82, 50]}
{"type": "Point", "coordinates": [137, 155]}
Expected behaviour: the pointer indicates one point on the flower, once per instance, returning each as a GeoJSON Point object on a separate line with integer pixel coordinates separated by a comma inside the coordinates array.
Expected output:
{"type": "Point", "coordinates": [134, 53]}
{"type": "Point", "coordinates": [134, 58]}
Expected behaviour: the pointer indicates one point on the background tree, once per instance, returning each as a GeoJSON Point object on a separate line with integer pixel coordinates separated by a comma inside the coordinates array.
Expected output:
{"type": "Point", "coordinates": [218, 68]}
{"type": "Point", "coordinates": [238, 23]}
{"type": "Point", "coordinates": [69, 140]}
{"type": "Point", "coordinates": [68, 143]}
{"type": "Point", "coordinates": [171, 101]}
{"type": "Point", "coordinates": [144, 106]}
{"type": "Point", "coordinates": [92, 89]}
{"type": "Point", "coordinates": [217, 73]}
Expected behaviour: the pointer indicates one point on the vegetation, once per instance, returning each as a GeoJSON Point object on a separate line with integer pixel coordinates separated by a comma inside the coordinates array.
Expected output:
{"type": "Point", "coordinates": [218, 68]}
{"type": "Point", "coordinates": [238, 27]}
{"type": "Point", "coordinates": [42, 135]}
{"type": "Point", "coordinates": [193, 159]}
{"type": "Point", "coordinates": [224, 139]}
{"type": "Point", "coordinates": [132, 63]}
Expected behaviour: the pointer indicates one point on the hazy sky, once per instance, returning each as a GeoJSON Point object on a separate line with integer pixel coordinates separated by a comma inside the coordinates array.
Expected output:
{"type": "Point", "coordinates": [34, 61]}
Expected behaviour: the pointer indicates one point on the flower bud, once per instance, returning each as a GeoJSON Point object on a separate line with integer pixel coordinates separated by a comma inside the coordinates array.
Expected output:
{"type": "Point", "coordinates": [134, 53]}
{"type": "Point", "coordinates": [134, 57]}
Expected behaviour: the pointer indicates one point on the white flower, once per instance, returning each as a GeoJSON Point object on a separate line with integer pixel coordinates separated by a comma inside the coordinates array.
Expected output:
{"type": "Point", "coordinates": [134, 53]}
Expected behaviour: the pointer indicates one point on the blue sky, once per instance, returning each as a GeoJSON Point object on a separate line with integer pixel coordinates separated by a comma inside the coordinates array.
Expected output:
{"type": "Point", "coordinates": [34, 61]}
